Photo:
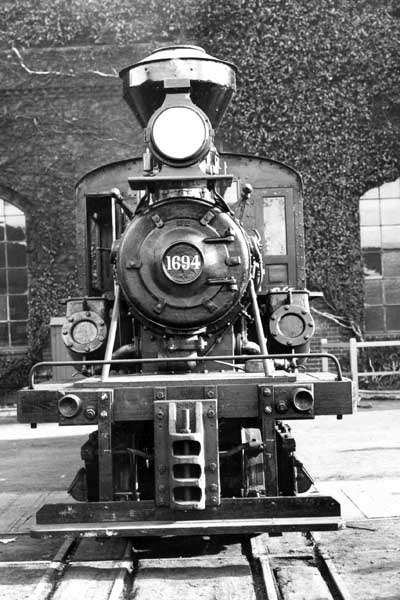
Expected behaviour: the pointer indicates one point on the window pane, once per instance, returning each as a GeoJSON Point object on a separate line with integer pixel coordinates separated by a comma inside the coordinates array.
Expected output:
{"type": "Point", "coordinates": [3, 308]}
{"type": "Point", "coordinates": [277, 273]}
{"type": "Point", "coordinates": [392, 291]}
{"type": "Point", "coordinates": [374, 319]}
{"type": "Point", "coordinates": [4, 334]}
{"type": "Point", "coordinates": [369, 212]}
{"type": "Point", "coordinates": [10, 209]}
{"type": "Point", "coordinates": [372, 193]}
{"type": "Point", "coordinates": [2, 228]}
{"type": "Point", "coordinates": [393, 318]}
{"type": "Point", "coordinates": [3, 281]}
{"type": "Point", "coordinates": [391, 264]}
{"type": "Point", "coordinates": [373, 291]}
{"type": "Point", "coordinates": [370, 237]}
{"type": "Point", "coordinates": [390, 190]}
{"type": "Point", "coordinates": [15, 228]}
{"type": "Point", "coordinates": [2, 255]}
{"type": "Point", "coordinates": [372, 264]}
{"type": "Point", "coordinates": [391, 236]}
{"type": "Point", "coordinates": [1, 207]}
{"type": "Point", "coordinates": [18, 307]}
{"type": "Point", "coordinates": [390, 212]}
{"type": "Point", "coordinates": [275, 226]}
{"type": "Point", "coordinates": [16, 255]}
{"type": "Point", "coordinates": [17, 281]}
{"type": "Point", "coordinates": [18, 334]}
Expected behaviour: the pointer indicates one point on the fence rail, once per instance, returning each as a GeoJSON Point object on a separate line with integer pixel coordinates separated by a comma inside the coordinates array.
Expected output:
{"type": "Point", "coordinates": [352, 346]}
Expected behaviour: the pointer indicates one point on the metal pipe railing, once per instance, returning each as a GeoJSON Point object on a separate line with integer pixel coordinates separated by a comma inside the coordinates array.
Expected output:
{"type": "Point", "coordinates": [197, 359]}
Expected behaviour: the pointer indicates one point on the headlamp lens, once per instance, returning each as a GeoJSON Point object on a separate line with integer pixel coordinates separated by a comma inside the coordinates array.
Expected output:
{"type": "Point", "coordinates": [179, 133]}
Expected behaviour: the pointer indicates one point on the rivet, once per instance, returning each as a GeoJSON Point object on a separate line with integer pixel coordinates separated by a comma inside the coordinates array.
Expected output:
{"type": "Point", "coordinates": [214, 500]}
{"type": "Point", "coordinates": [104, 414]}
{"type": "Point", "coordinates": [160, 395]}
{"type": "Point", "coordinates": [160, 414]}
{"type": "Point", "coordinates": [268, 410]}
{"type": "Point", "coordinates": [161, 487]}
{"type": "Point", "coordinates": [210, 394]}
{"type": "Point", "coordinates": [104, 397]}
{"type": "Point", "coordinates": [211, 413]}
{"type": "Point", "coordinates": [213, 487]}
{"type": "Point", "coordinates": [267, 392]}
{"type": "Point", "coordinates": [212, 467]}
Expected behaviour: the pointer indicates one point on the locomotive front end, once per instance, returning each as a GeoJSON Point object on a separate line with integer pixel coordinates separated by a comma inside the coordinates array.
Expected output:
{"type": "Point", "coordinates": [192, 334]}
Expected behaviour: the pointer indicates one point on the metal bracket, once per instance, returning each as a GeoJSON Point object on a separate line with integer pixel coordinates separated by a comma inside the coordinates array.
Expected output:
{"type": "Point", "coordinates": [105, 420]}
{"type": "Point", "coordinates": [186, 452]}
{"type": "Point", "coordinates": [266, 408]}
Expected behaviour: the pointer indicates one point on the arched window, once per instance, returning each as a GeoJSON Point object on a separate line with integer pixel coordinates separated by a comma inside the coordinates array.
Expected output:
{"type": "Point", "coordinates": [380, 242]}
{"type": "Point", "coordinates": [13, 277]}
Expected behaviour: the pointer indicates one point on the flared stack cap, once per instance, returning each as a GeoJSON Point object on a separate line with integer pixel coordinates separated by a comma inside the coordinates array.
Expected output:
{"type": "Point", "coordinates": [212, 81]}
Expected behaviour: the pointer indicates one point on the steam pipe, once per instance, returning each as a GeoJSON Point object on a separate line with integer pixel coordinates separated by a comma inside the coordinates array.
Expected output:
{"type": "Point", "coordinates": [267, 364]}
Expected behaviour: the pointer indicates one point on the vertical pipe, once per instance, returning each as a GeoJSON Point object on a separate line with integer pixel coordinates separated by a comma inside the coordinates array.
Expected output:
{"type": "Point", "coordinates": [267, 363]}
{"type": "Point", "coordinates": [354, 366]}
{"type": "Point", "coordinates": [111, 336]}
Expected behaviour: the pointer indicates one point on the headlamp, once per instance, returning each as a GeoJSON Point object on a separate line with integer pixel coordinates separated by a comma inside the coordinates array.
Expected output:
{"type": "Point", "coordinates": [179, 135]}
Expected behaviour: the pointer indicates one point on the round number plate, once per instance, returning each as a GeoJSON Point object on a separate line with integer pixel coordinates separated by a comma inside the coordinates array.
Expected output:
{"type": "Point", "coordinates": [182, 263]}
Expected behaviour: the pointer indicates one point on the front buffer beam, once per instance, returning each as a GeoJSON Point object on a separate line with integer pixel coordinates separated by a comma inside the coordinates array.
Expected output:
{"type": "Point", "coordinates": [144, 518]}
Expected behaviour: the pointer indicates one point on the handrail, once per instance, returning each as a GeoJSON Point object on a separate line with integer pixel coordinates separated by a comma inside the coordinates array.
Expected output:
{"type": "Point", "coordinates": [137, 361]}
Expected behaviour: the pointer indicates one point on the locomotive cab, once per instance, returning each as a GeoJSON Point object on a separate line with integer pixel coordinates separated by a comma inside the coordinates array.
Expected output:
{"type": "Point", "coordinates": [193, 330]}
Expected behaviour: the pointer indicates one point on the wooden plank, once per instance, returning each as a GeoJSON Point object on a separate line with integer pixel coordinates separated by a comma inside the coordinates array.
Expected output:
{"type": "Point", "coordinates": [299, 581]}
{"type": "Point", "coordinates": [230, 508]}
{"type": "Point", "coordinates": [333, 397]}
{"type": "Point", "coordinates": [184, 528]}
{"type": "Point", "coordinates": [225, 575]}
{"type": "Point", "coordinates": [37, 406]}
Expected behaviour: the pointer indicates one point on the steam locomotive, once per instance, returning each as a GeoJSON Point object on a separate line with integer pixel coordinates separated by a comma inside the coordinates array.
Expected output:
{"type": "Point", "coordinates": [191, 338]}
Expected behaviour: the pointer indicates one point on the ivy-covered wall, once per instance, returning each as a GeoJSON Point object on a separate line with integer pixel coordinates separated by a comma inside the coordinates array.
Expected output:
{"type": "Point", "coordinates": [318, 88]}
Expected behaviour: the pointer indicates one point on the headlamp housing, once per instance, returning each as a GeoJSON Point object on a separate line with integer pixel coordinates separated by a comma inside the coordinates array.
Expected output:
{"type": "Point", "coordinates": [179, 133]}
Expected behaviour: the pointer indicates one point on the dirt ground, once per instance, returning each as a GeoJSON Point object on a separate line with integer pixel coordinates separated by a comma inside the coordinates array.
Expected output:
{"type": "Point", "coordinates": [367, 555]}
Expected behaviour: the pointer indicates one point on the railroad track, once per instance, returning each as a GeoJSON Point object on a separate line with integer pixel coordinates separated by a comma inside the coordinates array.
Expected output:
{"type": "Point", "coordinates": [291, 567]}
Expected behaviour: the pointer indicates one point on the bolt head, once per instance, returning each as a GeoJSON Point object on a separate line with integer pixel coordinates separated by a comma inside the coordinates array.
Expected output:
{"type": "Point", "coordinates": [214, 500]}
{"type": "Point", "coordinates": [160, 414]}
{"type": "Point", "coordinates": [104, 414]}
{"type": "Point", "coordinates": [210, 394]}
{"type": "Point", "coordinates": [268, 410]}
{"type": "Point", "coordinates": [213, 487]}
{"type": "Point", "coordinates": [267, 392]}
{"type": "Point", "coordinates": [212, 467]}
{"type": "Point", "coordinates": [90, 413]}
{"type": "Point", "coordinates": [160, 395]}
{"type": "Point", "coordinates": [210, 413]}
